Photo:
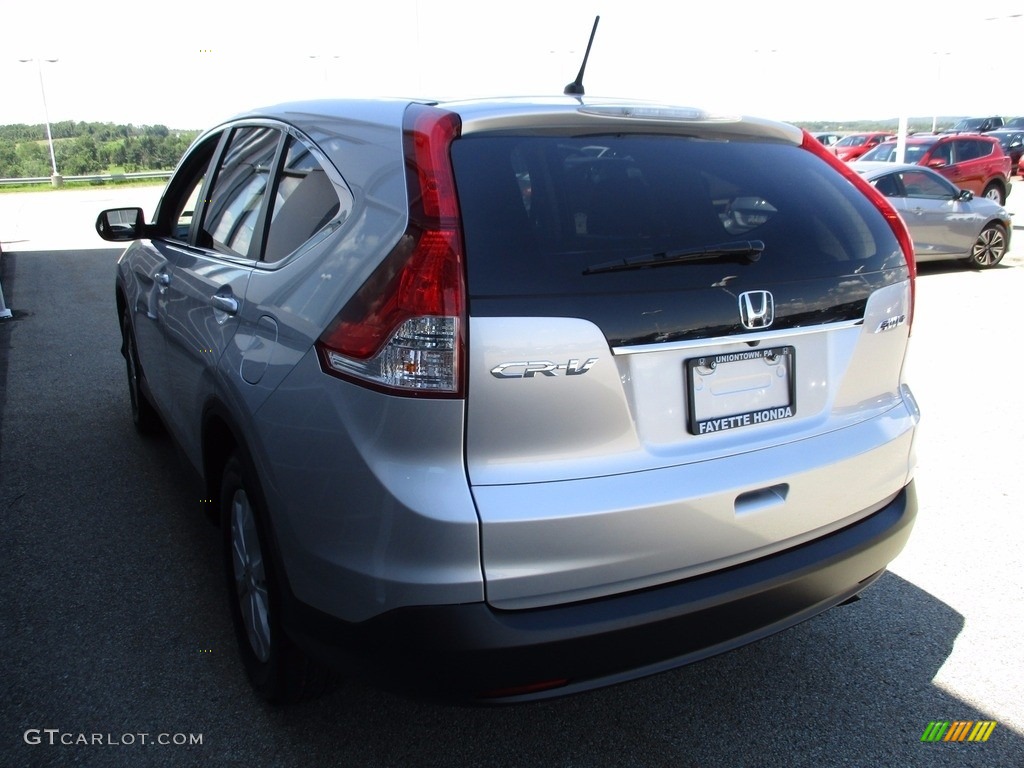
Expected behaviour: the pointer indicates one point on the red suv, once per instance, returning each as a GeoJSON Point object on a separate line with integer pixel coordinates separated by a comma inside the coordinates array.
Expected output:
{"type": "Point", "coordinates": [973, 162]}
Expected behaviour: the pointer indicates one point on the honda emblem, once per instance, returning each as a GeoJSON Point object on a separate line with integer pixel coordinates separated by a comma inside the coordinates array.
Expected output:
{"type": "Point", "coordinates": [757, 309]}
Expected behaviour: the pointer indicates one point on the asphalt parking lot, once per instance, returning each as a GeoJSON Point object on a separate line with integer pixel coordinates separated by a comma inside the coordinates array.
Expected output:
{"type": "Point", "coordinates": [113, 622]}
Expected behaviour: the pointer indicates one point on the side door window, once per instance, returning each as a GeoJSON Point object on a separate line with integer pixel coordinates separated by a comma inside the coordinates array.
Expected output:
{"type": "Point", "coordinates": [967, 149]}
{"type": "Point", "coordinates": [920, 184]}
{"type": "Point", "coordinates": [943, 154]}
{"type": "Point", "coordinates": [889, 185]}
{"type": "Point", "coordinates": [183, 198]}
{"type": "Point", "coordinates": [234, 211]}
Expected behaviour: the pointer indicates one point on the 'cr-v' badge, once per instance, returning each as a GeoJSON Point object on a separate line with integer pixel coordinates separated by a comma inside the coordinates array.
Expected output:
{"type": "Point", "coordinates": [757, 309]}
{"type": "Point", "coordinates": [527, 370]}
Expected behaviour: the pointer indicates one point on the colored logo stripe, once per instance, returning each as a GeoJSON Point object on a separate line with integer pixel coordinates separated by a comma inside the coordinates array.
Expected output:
{"type": "Point", "coordinates": [982, 730]}
{"type": "Point", "coordinates": [958, 730]}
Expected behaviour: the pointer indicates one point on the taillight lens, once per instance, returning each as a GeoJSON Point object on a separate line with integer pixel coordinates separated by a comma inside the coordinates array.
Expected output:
{"type": "Point", "coordinates": [892, 216]}
{"type": "Point", "coordinates": [403, 330]}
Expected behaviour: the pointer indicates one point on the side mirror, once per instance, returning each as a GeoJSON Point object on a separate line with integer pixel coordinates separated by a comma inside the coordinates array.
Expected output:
{"type": "Point", "coordinates": [121, 224]}
{"type": "Point", "coordinates": [965, 196]}
{"type": "Point", "coordinates": [936, 163]}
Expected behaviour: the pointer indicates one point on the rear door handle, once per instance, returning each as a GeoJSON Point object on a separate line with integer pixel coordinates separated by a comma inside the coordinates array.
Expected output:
{"type": "Point", "coordinates": [227, 304]}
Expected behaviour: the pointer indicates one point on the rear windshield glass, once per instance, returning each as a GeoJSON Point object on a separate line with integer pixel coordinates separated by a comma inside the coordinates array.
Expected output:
{"type": "Point", "coordinates": [539, 212]}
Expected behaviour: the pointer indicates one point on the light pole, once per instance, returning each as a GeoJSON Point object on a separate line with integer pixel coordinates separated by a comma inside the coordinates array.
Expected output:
{"type": "Point", "coordinates": [56, 179]}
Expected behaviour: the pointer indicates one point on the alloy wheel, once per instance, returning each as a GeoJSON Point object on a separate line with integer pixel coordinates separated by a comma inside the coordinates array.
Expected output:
{"type": "Point", "coordinates": [989, 248]}
{"type": "Point", "coordinates": [250, 575]}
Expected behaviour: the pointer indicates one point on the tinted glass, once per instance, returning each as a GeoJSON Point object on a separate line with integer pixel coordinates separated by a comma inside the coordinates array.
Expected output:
{"type": "Point", "coordinates": [969, 125]}
{"type": "Point", "coordinates": [852, 141]}
{"type": "Point", "coordinates": [914, 152]}
{"type": "Point", "coordinates": [889, 185]}
{"type": "Point", "coordinates": [922, 184]}
{"type": "Point", "coordinates": [1006, 139]}
{"type": "Point", "coordinates": [183, 222]}
{"type": "Point", "coordinates": [968, 149]}
{"type": "Point", "coordinates": [182, 197]}
{"type": "Point", "coordinates": [539, 211]}
{"type": "Point", "coordinates": [942, 153]}
{"type": "Point", "coordinates": [232, 214]}
{"type": "Point", "coordinates": [884, 152]}
{"type": "Point", "coordinates": [304, 202]}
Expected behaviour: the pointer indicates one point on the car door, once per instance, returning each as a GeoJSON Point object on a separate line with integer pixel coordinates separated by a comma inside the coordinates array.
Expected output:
{"type": "Point", "coordinates": [969, 162]}
{"type": "Point", "coordinates": [940, 224]}
{"type": "Point", "coordinates": [207, 278]}
{"type": "Point", "coordinates": [308, 201]}
{"type": "Point", "coordinates": [147, 273]}
{"type": "Point", "coordinates": [922, 217]}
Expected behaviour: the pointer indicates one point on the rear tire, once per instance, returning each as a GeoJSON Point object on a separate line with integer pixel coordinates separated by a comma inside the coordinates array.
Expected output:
{"type": "Point", "coordinates": [144, 415]}
{"type": "Point", "coordinates": [278, 670]}
{"type": "Point", "coordinates": [989, 248]}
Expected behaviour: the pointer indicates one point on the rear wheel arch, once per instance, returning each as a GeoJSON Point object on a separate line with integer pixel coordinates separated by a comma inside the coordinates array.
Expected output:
{"type": "Point", "coordinates": [994, 188]}
{"type": "Point", "coordinates": [219, 442]}
{"type": "Point", "coordinates": [222, 440]}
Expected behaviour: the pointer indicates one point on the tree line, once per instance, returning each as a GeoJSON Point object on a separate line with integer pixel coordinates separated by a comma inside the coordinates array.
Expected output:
{"type": "Point", "coordinates": [89, 148]}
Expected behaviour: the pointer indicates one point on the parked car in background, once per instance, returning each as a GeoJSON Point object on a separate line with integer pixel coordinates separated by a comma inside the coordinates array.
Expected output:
{"type": "Point", "coordinates": [1012, 142]}
{"type": "Point", "coordinates": [1015, 123]}
{"type": "Point", "coordinates": [973, 162]}
{"type": "Point", "coordinates": [945, 222]}
{"type": "Point", "coordinates": [507, 399]}
{"type": "Point", "coordinates": [853, 146]}
{"type": "Point", "coordinates": [828, 139]}
{"type": "Point", "coordinates": [976, 125]}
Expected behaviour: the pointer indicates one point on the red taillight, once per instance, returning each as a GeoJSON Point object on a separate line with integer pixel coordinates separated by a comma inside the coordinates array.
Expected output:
{"type": "Point", "coordinates": [429, 133]}
{"type": "Point", "coordinates": [403, 329]}
{"type": "Point", "coordinates": [892, 216]}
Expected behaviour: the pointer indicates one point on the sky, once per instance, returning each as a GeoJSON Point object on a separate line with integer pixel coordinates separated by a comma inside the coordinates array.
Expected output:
{"type": "Point", "coordinates": [192, 65]}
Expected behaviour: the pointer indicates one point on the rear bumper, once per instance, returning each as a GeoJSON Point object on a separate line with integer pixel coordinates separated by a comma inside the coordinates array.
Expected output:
{"type": "Point", "coordinates": [474, 652]}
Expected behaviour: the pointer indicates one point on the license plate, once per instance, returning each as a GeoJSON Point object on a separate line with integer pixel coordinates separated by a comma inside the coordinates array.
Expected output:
{"type": "Point", "coordinates": [740, 389]}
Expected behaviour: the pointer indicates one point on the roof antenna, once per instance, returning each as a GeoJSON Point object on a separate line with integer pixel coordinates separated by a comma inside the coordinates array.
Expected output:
{"type": "Point", "coordinates": [575, 88]}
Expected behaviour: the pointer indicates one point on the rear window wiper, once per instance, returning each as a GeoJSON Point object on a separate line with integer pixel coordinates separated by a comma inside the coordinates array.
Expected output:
{"type": "Point", "coordinates": [749, 249]}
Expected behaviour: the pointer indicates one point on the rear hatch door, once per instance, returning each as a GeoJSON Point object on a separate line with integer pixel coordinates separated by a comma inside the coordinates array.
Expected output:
{"type": "Point", "coordinates": [658, 324]}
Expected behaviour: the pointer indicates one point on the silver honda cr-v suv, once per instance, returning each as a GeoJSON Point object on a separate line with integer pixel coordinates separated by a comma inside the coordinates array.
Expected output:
{"type": "Point", "coordinates": [508, 399]}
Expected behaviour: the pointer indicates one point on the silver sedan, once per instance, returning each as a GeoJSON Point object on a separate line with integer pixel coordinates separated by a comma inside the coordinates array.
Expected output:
{"type": "Point", "coordinates": [944, 222]}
